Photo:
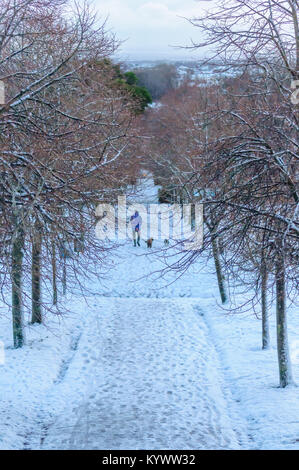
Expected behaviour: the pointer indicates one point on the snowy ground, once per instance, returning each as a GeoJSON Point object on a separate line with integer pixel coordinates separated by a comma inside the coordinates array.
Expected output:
{"type": "Point", "coordinates": [156, 383]}
{"type": "Point", "coordinates": [144, 367]}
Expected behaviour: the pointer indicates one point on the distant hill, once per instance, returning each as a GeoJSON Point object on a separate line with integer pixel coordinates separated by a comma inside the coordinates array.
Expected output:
{"type": "Point", "coordinates": [160, 76]}
{"type": "Point", "coordinates": [184, 67]}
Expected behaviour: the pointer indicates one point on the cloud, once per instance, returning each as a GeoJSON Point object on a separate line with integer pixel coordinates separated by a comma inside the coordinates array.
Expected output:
{"type": "Point", "coordinates": [150, 28]}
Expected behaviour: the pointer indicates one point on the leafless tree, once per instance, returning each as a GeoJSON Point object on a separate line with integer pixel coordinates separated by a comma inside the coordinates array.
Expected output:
{"type": "Point", "coordinates": [66, 129]}
{"type": "Point", "coordinates": [261, 38]}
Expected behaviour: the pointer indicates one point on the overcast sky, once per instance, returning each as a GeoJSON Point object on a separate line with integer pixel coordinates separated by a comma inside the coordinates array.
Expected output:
{"type": "Point", "coordinates": [151, 27]}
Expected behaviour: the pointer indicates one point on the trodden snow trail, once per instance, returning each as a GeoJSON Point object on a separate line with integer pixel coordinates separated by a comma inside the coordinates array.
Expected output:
{"type": "Point", "coordinates": [146, 374]}
{"type": "Point", "coordinates": [156, 382]}
{"type": "Point", "coordinates": [141, 362]}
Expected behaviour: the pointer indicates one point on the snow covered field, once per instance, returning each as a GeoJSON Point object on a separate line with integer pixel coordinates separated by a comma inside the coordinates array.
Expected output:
{"type": "Point", "coordinates": [144, 367]}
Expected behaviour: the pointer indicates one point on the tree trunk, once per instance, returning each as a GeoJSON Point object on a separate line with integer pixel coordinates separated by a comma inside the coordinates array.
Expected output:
{"type": "Point", "coordinates": [16, 278]}
{"type": "Point", "coordinates": [220, 276]}
{"type": "Point", "coordinates": [36, 277]}
{"type": "Point", "coordinates": [265, 314]}
{"type": "Point", "coordinates": [54, 275]}
{"type": "Point", "coordinates": [285, 373]}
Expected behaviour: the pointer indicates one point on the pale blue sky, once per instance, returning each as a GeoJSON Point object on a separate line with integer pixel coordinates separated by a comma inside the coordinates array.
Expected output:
{"type": "Point", "coordinates": [151, 27]}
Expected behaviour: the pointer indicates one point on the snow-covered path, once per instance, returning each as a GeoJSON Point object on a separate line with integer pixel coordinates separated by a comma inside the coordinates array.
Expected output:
{"type": "Point", "coordinates": [142, 362]}
{"type": "Point", "coordinates": [145, 363]}
{"type": "Point", "coordinates": [156, 383]}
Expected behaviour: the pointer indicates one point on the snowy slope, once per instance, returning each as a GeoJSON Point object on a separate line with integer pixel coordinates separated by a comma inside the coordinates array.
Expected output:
{"type": "Point", "coordinates": [156, 384]}
{"type": "Point", "coordinates": [147, 363]}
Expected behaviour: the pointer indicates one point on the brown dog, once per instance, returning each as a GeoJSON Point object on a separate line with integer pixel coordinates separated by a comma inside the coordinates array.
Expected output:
{"type": "Point", "coordinates": [149, 242]}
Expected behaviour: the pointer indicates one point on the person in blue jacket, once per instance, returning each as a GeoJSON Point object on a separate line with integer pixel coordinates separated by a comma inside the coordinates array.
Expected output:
{"type": "Point", "coordinates": [136, 222]}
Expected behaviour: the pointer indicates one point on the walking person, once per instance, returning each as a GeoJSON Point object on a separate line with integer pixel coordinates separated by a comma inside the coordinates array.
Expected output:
{"type": "Point", "coordinates": [136, 222]}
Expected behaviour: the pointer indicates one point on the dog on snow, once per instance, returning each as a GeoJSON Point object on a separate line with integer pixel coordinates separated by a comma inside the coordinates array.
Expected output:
{"type": "Point", "coordinates": [149, 242]}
